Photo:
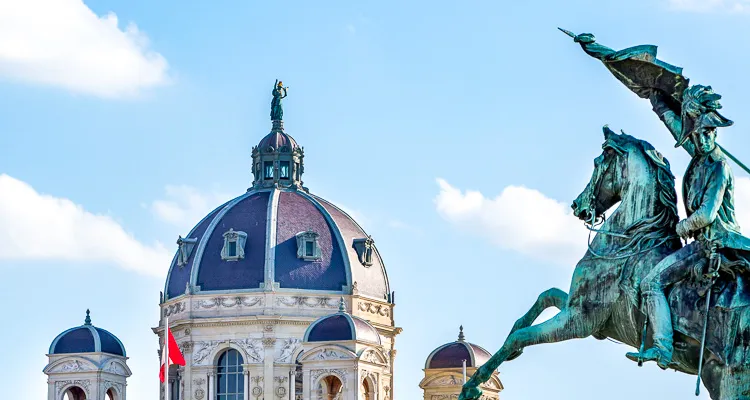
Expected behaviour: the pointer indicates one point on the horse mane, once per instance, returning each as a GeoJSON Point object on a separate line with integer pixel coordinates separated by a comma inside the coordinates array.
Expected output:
{"type": "Point", "coordinates": [648, 232]}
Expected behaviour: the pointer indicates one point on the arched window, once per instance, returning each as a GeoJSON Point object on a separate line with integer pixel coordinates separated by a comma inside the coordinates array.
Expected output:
{"type": "Point", "coordinates": [111, 394]}
{"type": "Point", "coordinates": [230, 382]}
{"type": "Point", "coordinates": [330, 388]}
{"type": "Point", "coordinates": [74, 393]}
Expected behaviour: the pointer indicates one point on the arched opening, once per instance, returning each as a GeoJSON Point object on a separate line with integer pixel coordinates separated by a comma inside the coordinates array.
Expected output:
{"type": "Point", "coordinates": [74, 393]}
{"type": "Point", "coordinates": [111, 394]}
{"type": "Point", "coordinates": [330, 388]}
{"type": "Point", "coordinates": [367, 390]}
{"type": "Point", "coordinates": [230, 381]}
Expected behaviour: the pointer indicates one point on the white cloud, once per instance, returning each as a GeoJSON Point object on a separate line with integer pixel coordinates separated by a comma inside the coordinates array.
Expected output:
{"type": "Point", "coordinates": [527, 221]}
{"type": "Point", "coordinates": [34, 226]}
{"type": "Point", "coordinates": [519, 219]}
{"type": "Point", "coordinates": [185, 206]}
{"type": "Point", "coordinates": [702, 6]}
{"type": "Point", "coordinates": [63, 43]}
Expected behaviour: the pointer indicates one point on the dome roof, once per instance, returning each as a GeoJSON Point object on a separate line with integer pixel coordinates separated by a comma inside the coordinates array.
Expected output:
{"type": "Point", "coordinates": [452, 355]}
{"type": "Point", "coordinates": [341, 327]}
{"type": "Point", "coordinates": [87, 339]}
{"type": "Point", "coordinates": [276, 140]}
{"type": "Point", "coordinates": [272, 221]}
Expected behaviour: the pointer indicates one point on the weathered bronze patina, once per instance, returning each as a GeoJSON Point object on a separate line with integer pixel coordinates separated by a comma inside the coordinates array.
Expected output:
{"type": "Point", "coordinates": [685, 307]}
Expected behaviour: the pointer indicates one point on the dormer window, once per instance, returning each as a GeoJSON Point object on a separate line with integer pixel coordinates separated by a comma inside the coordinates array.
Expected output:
{"type": "Point", "coordinates": [185, 248]}
{"type": "Point", "coordinates": [284, 172]}
{"type": "Point", "coordinates": [308, 248]}
{"type": "Point", "coordinates": [268, 170]}
{"type": "Point", "coordinates": [234, 245]}
{"type": "Point", "coordinates": [364, 248]}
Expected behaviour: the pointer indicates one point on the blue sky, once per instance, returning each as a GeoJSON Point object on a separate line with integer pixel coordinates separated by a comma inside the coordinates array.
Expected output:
{"type": "Point", "coordinates": [457, 134]}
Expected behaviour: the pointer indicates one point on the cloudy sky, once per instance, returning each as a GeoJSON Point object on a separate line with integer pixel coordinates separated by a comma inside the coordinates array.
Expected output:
{"type": "Point", "coordinates": [457, 134]}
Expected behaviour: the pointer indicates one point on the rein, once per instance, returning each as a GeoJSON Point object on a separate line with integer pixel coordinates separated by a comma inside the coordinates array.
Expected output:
{"type": "Point", "coordinates": [591, 226]}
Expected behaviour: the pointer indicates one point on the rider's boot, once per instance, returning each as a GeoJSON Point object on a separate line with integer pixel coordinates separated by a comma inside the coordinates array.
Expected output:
{"type": "Point", "coordinates": [661, 323]}
{"type": "Point", "coordinates": [662, 357]}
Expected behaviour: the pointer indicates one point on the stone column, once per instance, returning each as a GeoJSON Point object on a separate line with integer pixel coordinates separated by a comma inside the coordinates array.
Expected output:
{"type": "Point", "coordinates": [292, 378]}
{"type": "Point", "coordinates": [307, 385]}
{"type": "Point", "coordinates": [246, 377]}
{"type": "Point", "coordinates": [268, 345]}
{"type": "Point", "coordinates": [212, 384]}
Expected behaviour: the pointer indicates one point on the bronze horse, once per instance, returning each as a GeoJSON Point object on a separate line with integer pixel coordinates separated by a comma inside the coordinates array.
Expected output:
{"type": "Point", "coordinates": [604, 301]}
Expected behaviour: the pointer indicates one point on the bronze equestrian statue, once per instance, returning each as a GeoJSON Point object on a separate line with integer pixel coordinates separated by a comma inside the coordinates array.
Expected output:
{"type": "Point", "coordinates": [684, 307]}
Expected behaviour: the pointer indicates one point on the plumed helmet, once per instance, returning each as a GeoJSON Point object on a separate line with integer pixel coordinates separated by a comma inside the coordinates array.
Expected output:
{"type": "Point", "coordinates": [699, 110]}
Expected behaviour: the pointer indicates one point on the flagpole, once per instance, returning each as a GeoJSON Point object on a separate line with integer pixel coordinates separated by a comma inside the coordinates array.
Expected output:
{"type": "Point", "coordinates": [166, 359]}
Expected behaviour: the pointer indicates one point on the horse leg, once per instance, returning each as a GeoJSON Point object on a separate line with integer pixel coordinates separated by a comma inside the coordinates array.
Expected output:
{"type": "Point", "coordinates": [567, 324]}
{"type": "Point", "coordinates": [553, 297]}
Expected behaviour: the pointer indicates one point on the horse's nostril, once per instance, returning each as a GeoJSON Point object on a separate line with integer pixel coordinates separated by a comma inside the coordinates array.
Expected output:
{"type": "Point", "coordinates": [574, 205]}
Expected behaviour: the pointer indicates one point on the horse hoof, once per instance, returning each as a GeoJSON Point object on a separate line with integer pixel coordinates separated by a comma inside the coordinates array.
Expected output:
{"type": "Point", "coordinates": [514, 355]}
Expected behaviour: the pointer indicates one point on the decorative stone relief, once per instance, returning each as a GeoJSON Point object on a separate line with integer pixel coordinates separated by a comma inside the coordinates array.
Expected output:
{"type": "Point", "coordinates": [82, 383]}
{"type": "Point", "coordinates": [115, 368]}
{"type": "Point", "coordinates": [372, 357]}
{"type": "Point", "coordinates": [287, 349]}
{"type": "Point", "coordinates": [199, 392]}
{"type": "Point", "coordinates": [203, 350]}
{"type": "Point", "coordinates": [73, 366]}
{"type": "Point", "coordinates": [106, 385]}
{"type": "Point", "coordinates": [317, 373]}
{"type": "Point", "coordinates": [374, 308]}
{"type": "Point", "coordinates": [328, 354]}
{"type": "Point", "coordinates": [257, 390]}
{"type": "Point", "coordinates": [446, 381]}
{"type": "Point", "coordinates": [185, 347]}
{"type": "Point", "coordinates": [173, 309]}
{"type": "Point", "coordinates": [228, 302]}
{"type": "Point", "coordinates": [253, 349]}
{"type": "Point", "coordinates": [310, 302]}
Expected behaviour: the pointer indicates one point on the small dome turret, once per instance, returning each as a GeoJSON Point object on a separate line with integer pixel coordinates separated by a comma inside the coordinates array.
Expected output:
{"type": "Point", "coordinates": [341, 326]}
{"type": "Point", "coordinates": [452, 355]}
{"type": "Point", "coordinates": [87, 339]}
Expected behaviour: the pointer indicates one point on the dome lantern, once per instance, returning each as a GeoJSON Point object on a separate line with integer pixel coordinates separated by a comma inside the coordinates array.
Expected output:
{"type": "Point", "coordinates": [277, 159]}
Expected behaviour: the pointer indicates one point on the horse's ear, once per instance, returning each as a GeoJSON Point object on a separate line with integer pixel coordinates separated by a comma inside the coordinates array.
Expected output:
{"type": "Point", "coordinates": [607, 132]}
{"type": "Point", "coordinates": [656, 157]}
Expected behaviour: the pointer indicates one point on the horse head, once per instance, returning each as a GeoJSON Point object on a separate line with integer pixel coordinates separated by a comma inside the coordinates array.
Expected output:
{"type": "Point", "coordinates": [632, 172]}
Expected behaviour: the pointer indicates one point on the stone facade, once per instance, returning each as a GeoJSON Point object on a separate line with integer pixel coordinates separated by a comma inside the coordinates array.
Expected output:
{"type": "Point", "coordinates": [99, 376]}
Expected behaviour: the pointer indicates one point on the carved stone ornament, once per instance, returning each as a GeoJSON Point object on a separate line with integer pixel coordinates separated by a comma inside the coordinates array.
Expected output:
{"type": "Point", "coordinates": [450, 380]}
{"type": "Point", "coordinates": [253, 349]}
{"type": "Point", "coordinates": [115, 367]}
{"type": "Point", "coordinates": [82, 383]}
{"type": "Point", "coordinates": [73, 366]}
{"type": "Point", "coordinates": [203, 350]}
{"type": "Point", "coordinates": [281, 391]}
{"type": "Point", "coordinates": [309, 302]}
{"type": "Point", "coordinates": [199, 393]}
{"type": "Point", "coordinates": [287, 349]}
{"type": "Point", "coordinates": [329, 354]}
{"type": "Point", "coordinates": [173, 309]}
{"type": "Point", "coordinates": [339, 373]}
{"type": "Point", "coordinates": [269, 342]}
{"type": "Point", "coordinates": [374, 308]}
{"type": "Point", "coordinates": [228, 302]}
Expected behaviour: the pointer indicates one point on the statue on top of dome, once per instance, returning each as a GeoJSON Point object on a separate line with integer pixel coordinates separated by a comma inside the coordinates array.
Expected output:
{"type": "Point", "coordinates": [279, 92]}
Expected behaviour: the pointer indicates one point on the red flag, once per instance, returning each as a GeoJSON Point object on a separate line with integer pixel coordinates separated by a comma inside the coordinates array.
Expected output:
{"type": "Point", "coordinates": [175, 356]}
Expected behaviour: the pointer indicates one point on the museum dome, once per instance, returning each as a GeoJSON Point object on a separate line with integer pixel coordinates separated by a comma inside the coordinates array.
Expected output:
{"type": "Point", "coordinates": [452, 355]}
{"type": "Point", "coordinates": [277, 236]}
{"type": "Point", "coordinates": [87, 339]}
{"type": "Point", "coordinates": [341, 326]}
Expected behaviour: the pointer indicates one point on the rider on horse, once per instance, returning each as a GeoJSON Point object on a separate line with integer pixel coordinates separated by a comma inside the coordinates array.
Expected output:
{"type": "Point", "coordinates": [708, 194]}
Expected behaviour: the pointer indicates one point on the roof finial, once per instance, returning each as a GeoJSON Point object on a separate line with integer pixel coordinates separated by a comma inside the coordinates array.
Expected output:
{"type": "Point", "coordinates": [342, 305]}
{"type": "Point", "coordinates": [87, 321]}
{"type": "Point", "coordinates": [461, 333]}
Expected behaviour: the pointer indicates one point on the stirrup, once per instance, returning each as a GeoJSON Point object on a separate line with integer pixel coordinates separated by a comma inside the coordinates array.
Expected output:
{"type": "Point", "coordinates": [652, 354]}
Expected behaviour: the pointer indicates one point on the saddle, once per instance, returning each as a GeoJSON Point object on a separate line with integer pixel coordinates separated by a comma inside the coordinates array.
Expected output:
{"type": "Point", "coordinates": [728, 330]}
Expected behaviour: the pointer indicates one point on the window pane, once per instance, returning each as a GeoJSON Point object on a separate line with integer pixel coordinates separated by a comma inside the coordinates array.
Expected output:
{"type": "Point", "coordinates": [268, 167]}
{"type": "Point", "coordinates": [309, 249]}
{"type": "Point", "coordinates": [284, 169]}
{"type": "Point", "coordinates": [232, 383]}
{"type": "Point", "coordinates": [231, 252]}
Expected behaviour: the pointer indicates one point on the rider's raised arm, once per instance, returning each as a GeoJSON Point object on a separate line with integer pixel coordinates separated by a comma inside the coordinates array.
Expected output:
{"type": "Point", "coordinates": [670, 119]}
{"type": "Point", "coordinates": [720, 179]}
